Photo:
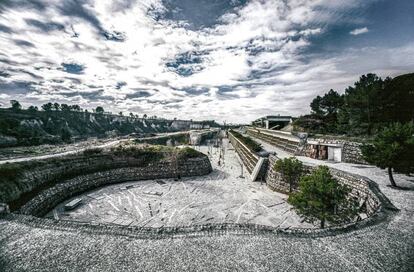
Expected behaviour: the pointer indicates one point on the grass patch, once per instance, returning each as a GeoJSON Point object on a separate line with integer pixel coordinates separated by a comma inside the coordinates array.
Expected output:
{"type": "Point", "coordinates": [10, 171]}
{"type": "Point", "coordinates": [249, 142]}
{"type": "Point", "coordinates": [92, 151]}
{"type": "Point", "coordinates": [188, 152]}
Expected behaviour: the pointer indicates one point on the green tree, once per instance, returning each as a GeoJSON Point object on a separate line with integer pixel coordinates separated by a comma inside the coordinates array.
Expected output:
{"type": "Point", "coordinates": [47, 106]}
{"type": "Point", "coordinates": [65, 135]}
{"type": "Point", "coordinates": [15, 105]}
{"type": "Point", "coordinates": [398, 99]}
{"type": "Point", "coordinates": [392, 149]}
{"type": "Point", "coordinates": [32, 109]}
{"type": "Point", "coordinates": [322, 198]}
{"type": "Point", "coordinates": [56, 106]}
{"type": "Point", "coordinates": [361, 108]}
{"type": "Point", "coordinates": [65, 107]}
{"type": "Point", "coordinates": [291, 169]}
{"type": "Point", "coordinates": [328, 104]}
{"type": "Point", "coordinates": [75, 107]}
{"type": "Point", "coordinates": [99, 110]}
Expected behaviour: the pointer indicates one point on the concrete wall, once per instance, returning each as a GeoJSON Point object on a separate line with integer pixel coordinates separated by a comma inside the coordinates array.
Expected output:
{"type": "Point", "coordinates": [49, 198]}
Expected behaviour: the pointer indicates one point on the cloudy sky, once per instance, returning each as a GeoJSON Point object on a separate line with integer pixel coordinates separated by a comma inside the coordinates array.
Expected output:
{"type": "Point", "coordinates": [232, 60]}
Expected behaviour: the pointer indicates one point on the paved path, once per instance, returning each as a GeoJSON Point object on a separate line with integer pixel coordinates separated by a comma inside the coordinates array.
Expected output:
{"type": "Point", "coordinates": [53, 155]}
{"type": "Point", "coordinates": [387, 246]}
{"type": "Point", "coordinates": [81, 149]}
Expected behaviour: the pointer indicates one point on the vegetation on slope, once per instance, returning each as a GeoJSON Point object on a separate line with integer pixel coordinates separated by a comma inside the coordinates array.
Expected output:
{"type": "Point", "coordinates": [363, 109]}
{"type": "Point", "coordinates": [249, 142]}
{"type": "Point", "coordinates": [291, 170]}
{"type": "Point", "coordinates": [322, 198]}
{"type": "Point", "coordinates": [58, 123]}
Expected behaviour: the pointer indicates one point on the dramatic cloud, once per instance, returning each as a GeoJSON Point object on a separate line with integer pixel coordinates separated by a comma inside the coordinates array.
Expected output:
{"type": "Point", "coordinates": [359, 31]}
{"type": "Point", "coordinates": [232, 60]}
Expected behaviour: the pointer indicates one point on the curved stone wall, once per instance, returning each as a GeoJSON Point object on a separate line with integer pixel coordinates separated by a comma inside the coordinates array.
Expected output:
{"type": "Point", "coordinates": [33, 177]}
{"type": "Point", "coordinates": [378, 206]}
{"type": "Point", "coordinates": [361, 186]}
{"type": "Point", "coordinates": [49, 198]}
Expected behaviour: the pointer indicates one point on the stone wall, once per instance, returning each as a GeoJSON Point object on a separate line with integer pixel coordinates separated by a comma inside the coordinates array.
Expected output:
{"type": "Point", "coordinates": [249, 158]}
{"type": "Point", "coordinates": [351, 151]}
{"type": "Point", "coordinates": [284, 141]}
{"type": "Point", "coordinates": [36, 176]}
{"type": "Point", "coordinates": [178, 138]}
{"type": "Point", "coordinates": [360, 186]}
{"type": "Point", "coordinates": [274, 179]}
{"type": "Point", "coordinates": [49, 198]}
{"type": "Point", "coordinates": [40, 174]}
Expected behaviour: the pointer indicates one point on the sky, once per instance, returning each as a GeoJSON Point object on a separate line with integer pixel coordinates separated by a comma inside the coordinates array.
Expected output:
{"type": "Point", "coordinates": [228, 60]}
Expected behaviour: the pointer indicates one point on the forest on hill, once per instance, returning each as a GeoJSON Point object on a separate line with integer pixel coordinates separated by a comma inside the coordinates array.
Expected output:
{"type": "Point", "coordinates": [363, 109]}
{"type": "Point", "coordinates": [58, 123]}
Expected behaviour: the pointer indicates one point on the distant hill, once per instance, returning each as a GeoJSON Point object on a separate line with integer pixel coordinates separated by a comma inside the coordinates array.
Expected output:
{"type": "Point", "coordinates": [25, 127]}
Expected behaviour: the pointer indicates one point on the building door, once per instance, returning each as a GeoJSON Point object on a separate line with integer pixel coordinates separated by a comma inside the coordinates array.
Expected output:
{"type": "Point", "coordinates": [334, 154]}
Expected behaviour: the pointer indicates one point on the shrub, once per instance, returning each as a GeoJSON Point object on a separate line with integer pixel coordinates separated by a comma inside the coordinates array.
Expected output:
{"type": "Point", "coordinates": [147, 154]}
{"type": "Point", "coordinates": [92, 151]}
{"type": "Point", "coordinates": [321, 197]}
{"type": "Point", "coordinates": [188, 152]}
{"type": "Point", "coordinates": [291, 169]}
{"type": "Point", "coordinates": [9, 171]}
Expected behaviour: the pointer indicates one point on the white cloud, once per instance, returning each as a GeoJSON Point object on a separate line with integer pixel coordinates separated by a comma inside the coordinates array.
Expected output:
{"type": "Point", "coordinates": [359, 31]}
{"type": "Point", "coordinates": [252, 61]}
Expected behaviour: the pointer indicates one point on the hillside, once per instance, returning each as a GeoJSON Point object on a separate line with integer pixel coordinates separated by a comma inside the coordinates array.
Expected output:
{"type": "Point", "coordinates": [25, 127]}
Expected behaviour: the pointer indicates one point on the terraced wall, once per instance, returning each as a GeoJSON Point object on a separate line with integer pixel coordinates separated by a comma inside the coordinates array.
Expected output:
{"type": "Point", "coordinates": [283, 141]}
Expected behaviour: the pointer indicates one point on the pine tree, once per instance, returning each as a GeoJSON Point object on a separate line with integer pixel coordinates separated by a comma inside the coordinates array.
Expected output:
{"type": "Point", "coordinates": [392, 148]}
{"type": "Point", "coordinates": [322, 198]}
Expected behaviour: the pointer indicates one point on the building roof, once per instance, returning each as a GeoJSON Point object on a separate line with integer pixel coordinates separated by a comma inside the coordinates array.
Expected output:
{"type": "Point", "coordinates": [275, 118]}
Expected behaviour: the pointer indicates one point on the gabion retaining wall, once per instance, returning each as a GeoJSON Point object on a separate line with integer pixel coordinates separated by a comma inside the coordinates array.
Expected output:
{"type": "Point", "coordinates": [249, 158]}
{"type": "Point", "coordinates": [49, 198]}
{"type": "Point", "coordinates": [351, 151]}
{"type": "Point", "coordinates": [360, 186]}
{"type": "Point", "coordinates": [288, 143]}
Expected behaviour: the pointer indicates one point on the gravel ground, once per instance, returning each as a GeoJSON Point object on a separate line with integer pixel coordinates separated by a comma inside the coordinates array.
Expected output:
{"type": "Point", "coordinates": [221, 197]}
{"type": "Point", "coordinates": [386, 246]}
